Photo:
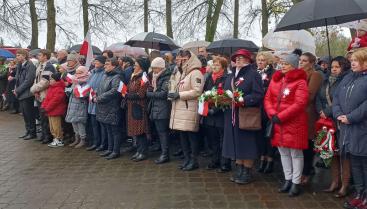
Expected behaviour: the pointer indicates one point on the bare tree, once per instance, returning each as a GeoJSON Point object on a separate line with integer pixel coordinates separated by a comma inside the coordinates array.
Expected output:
{"type": "Point", "coordinates": [34, 21]}
{"type": "Point", "coordinates": [235, 19]}
{"type": "Point", "coordinates": [13, 18]}
{"type": "Point", "coordinates": [51, 25]}
{"type": "Point", "coordinates": [85, 16]}
{"type": "Point", "coordinates": [169, 18]}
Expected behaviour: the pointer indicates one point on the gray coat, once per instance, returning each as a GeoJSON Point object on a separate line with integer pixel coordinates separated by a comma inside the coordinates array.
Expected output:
{"type": "Point", "coordinates": [24, 80]}
{"type": "Point", "coordinates": [108, 99]}
{"type": "Point", "coordinates": [159, 107]}
{"type": "Point", "coordinates": [350, 99]}
{"type": "Point", "coordinates": [77, 109]}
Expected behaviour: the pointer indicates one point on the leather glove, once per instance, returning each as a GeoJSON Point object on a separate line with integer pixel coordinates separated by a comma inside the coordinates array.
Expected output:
{"type": "Point", "coordinates": [173, 96]}
{"type": "Point", "coordinates": [275, 119]}
{"type": "Point", "coordinates": [132, 96]}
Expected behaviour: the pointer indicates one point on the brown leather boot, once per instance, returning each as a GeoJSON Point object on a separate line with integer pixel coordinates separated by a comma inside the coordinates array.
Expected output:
{"type": "Point", "coordinates": [80, 144]}
{"type": "Point", "coordinates": [345, 174]}
{"type": "Point", "coordinates": [76, 141]}
{"type": "Point", "coordinates": [335, 175]}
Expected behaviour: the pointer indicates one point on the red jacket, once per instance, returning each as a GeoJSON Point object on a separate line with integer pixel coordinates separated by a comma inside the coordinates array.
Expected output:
{"type": "Point", "coordinates": [55, 101]}
{"type": "Point", "coordinates": [292, 132]}
{"type": "Point", "coordinates": [362, 42]}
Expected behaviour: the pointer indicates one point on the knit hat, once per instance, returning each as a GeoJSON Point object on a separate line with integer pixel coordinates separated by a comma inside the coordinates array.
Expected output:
{"type": "Point", "coordinates": [73, 56]}
{"type": "Point", "coordinates": [100, 59]}
{"type": "Point", "coordinates": [144, 63]}
{"type": "Point", "coordinates": [362, 26]}
{"type": "Point", "coordinates": [56, 76]}
{"type": "Point", "coordinates": [291, 59]}
{"type": "Point", "coordinates": [158, 63]}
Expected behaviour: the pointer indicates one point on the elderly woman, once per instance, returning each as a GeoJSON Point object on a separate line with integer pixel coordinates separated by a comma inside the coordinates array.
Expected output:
{"type": "Point", "coordinates": [108, 108]}
{"type": "Point", "coordinates": [185, 88]}
{"type": "Point", "coordinates": [238, 144]}
{"type": "Point", "coordinates": [285, 103]}
{"type": "Point", "coordinates": [137, 119]}
{"type": "Point", "coordinates": [159, 106]}
{"type": "Point", "coordinates": [350, 109]}
{"type": "Point", "coordinates": [314, 80]}
{"type": "Point", "coordinates": [214, 122]}
{"type": "Point", "coordinates": [340, 166]}
{"type": "Point", "coordinates": [264, 61]}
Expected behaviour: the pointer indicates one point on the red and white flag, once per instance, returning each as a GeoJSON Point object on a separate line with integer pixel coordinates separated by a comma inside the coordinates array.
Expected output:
{"type": "Point", "coordinates": [92, 94]}
{"type": "Point", "coordinates": [87, 50]}
{"type": "Point", "coordinates": [203, 108]}
{"type": "Point", "coordinates": [69, 78]}
{"type": "Point", "coordinates": [80, 92]}
{"type": "Point", "coordinates": [144, 79]}
{"type": "Point", "coordinates": [122, 89]}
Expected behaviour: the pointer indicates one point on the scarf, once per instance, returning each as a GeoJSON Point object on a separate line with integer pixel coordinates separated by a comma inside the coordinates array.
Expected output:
{"type": "Point", "coordinates": [217, 75]}
{"type": "Point", "coordinates": [332, 79]}
{"type": "Point", "coordinates": [155, 78]}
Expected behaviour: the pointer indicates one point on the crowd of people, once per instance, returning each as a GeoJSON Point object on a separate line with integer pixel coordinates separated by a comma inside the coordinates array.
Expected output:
{"type": "Point", "coordinates": [126, 103]}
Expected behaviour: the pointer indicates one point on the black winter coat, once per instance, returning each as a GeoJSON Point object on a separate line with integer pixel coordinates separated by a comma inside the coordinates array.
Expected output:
{"type": "Point", "coordinates": [108, 99]}
{"type": "Point", "coordinates": [321, 98]}
{"type": "Point", "coordinates": [350, 99]}
{"type": "Point", "coordinates": [24, 80]}
{"type": "Point", "coordinates": [159, 107]}
{"type": "Point", "coordinates": [216, 119]}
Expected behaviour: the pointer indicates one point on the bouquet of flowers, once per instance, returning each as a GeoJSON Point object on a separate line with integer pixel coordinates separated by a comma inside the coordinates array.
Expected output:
{"type": "Point", "coordinates": [325, 142]}
{"type": "Point", "coordinates": [219, 98]}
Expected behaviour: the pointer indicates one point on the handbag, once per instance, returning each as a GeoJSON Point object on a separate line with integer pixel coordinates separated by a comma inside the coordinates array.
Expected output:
{"type": "Point", "coordinates": [249, 117]}
{"type": "Point", "coordinates": [269, 131]}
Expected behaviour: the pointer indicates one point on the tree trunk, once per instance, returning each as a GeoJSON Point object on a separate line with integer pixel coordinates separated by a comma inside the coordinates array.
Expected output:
{"type": "Point", "coordinates": [235, 19]}
{"type": "Point", "coordinates": [264, 18]}
{"type": "Point", "coordinates": [34, 21]}
{"type": "Point", "coordinates": [51, 25]}
{"type": "Point", "coordinates": [85, 16]}
{"type": "Point", "coordinates": [146, 15]}
{"type": "Point", "coordinates": [214, 22]}
{"type": "Point", "coordinates": [208, 19]}
{"type": "Point", "coordinates": [169, 18]}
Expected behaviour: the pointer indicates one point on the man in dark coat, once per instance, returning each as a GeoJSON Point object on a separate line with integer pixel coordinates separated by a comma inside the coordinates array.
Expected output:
{"type": "Point", "coordinates": [26, 73]}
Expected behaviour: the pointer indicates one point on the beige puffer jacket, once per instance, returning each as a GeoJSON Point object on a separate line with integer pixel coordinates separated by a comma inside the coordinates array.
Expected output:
{"type": "Point", "coordinates": [189, 84]}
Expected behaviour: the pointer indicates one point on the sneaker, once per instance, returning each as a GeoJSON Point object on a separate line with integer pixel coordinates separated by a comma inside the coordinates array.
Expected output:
{"type": "Point", "coordinates": [53, 144]}
{"type": "Point", "coordinates": [60, 143]}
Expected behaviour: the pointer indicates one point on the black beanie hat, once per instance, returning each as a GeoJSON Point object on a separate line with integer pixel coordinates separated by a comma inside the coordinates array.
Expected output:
{"type": "Point", "coordinates": [144, 63]}
{"type": "Point", "coordinates": [56, 76]}
{"type": "Point", "coordinates": [101, 59]}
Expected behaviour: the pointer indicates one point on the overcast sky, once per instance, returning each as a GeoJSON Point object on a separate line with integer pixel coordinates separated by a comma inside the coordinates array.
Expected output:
{"type": "Point", "coordinates": [73, 20]}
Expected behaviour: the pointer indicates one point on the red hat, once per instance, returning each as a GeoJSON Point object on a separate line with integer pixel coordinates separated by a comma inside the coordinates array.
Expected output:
{"type": "Point", "coordinates": [241, 52]}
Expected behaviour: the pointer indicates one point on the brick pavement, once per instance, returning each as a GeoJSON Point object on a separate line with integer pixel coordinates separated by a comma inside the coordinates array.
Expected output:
{"type": "Point", "coordinates": [35, 176]}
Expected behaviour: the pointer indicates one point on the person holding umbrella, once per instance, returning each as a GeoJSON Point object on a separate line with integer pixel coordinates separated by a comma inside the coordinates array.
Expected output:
{"type": "Point", "coordinates": [285, 104]}
{"type": "Point", "coordinates": [240, 145]}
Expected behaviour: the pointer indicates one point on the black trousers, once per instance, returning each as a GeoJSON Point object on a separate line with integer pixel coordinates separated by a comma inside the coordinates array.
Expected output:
{"type": "Point", "coordinates": [215, 140]}
{"type": "Point", "coordinates": [189, 143]}
{"type": "Point", "coordinates": [96, 130]}
{"type": "Point", "coordinates": [45, 128]}
{"type": "Point", "coordinates": [308, 155]}
{"type": "Point", "coordinates": [264, 144]}
{"type": "Point", "coordinates": [114, 138]}
{"type": "Point", "coordinates": [359, 172]}
{"type": "Point", "coordinates": [142, 144]}
{"type": "Point", "coordinates": [28, 111]}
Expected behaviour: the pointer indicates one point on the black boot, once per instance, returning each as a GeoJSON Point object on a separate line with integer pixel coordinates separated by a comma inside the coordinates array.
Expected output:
{"type": "Point", "coordinates": [238, 172]}
{"type": "Point", "coordinates": [193, 164]}
{"type": "Point", "coordinates": [246, 176]}
{"type": "Point", "coordinates": [294, 190]}
{"type": "Point", "coordinates": [286, 186]}
{"type": "Point", "coordinates": [269, 167]}
{"type": "Point", "coordinates": [261, 167]}
{"type": "Point", "coordinates": [164, 158]}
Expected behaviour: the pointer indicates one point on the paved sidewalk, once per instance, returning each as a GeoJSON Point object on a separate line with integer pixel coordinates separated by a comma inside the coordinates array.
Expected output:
{"type": "Point", "coordinates": [35, 176]}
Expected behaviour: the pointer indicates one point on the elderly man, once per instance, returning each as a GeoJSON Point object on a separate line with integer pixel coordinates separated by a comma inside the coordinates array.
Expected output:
{"type": "Point", "coordinates": [26, 73]}
{"type": "Point", "coordinates": [61, 56]}
{"type": "Point", "coordinates": [39, 89]}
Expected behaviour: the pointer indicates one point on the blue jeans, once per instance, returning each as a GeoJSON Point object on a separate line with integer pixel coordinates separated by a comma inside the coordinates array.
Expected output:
{"type": "Point", "coordinates": [96, 129]}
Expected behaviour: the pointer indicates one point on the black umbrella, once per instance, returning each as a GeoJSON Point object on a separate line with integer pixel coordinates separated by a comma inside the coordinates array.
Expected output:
{"type": "Point", "coordinates": [229, 46]}
{"type": "Point", "coordinates": [96, 50]}
{"type": "Point", "coordinates": [316, 13]}
{"type": "Point", "coordinates": [152, 40]}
